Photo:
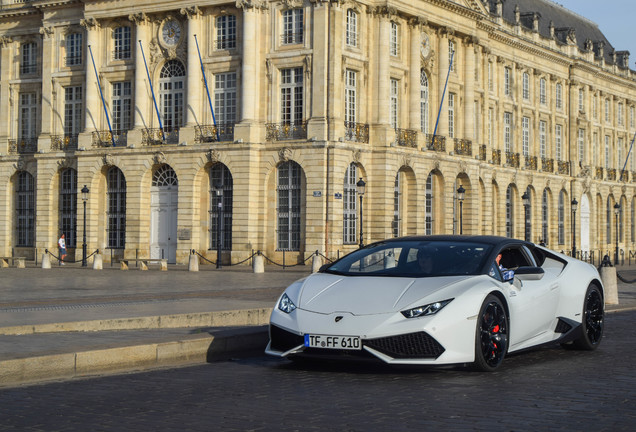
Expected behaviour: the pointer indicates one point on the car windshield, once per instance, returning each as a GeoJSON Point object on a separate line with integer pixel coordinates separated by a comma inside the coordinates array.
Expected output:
{"type": "Point", "coordinates": [414, 258]}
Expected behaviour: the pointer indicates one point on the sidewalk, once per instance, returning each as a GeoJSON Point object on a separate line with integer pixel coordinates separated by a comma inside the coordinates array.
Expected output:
{"type": "Point", "coordinates": [71, 322]}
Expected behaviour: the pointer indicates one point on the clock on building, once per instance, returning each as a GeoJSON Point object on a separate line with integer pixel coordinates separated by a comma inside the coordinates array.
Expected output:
{"type": "Point", "coordinates": [171, 32]}
{"type": "Point", "coordinates": [425, 45]}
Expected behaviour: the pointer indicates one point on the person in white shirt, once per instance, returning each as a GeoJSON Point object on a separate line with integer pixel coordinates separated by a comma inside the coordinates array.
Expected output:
{"type": "Point", "coordinates": [62, 245]}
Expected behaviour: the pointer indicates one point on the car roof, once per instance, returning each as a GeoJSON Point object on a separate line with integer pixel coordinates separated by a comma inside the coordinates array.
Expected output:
{"type": "Point", "coordinates": [493, 240]}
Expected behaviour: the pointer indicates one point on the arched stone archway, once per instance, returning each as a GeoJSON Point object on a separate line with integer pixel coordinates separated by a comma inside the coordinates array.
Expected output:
{"type": "Point", "coordinates": [164, 197]}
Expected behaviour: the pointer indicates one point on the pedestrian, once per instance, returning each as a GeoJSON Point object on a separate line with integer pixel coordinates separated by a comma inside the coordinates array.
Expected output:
{"type": "Point", "coordinates": [62, 244]}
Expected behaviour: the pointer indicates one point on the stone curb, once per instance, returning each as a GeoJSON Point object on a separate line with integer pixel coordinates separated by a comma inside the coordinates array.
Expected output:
{"type": "Point", "coordinates": [245, 317]}
{"type": "Point", "coordinates": [141, 357]}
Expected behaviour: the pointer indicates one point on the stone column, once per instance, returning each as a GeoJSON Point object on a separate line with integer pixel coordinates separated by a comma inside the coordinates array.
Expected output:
{"type": "Point", "coordinates": [94, 109]}
{"type": "Point", "coordinates": [444, 63]}
{"type": "Point", "coordinates": [6, 47]}
{"type": "Point", "coordinates": [49, 92]}
{"type": "Point", "coordinates": [469, 89]}
{"type": "Point", "coordinates": [247, 129]}
{"type": "Point", "coordinates": [414, 73]}
{"type": "Point", "coordinates": [380, 101]}
{"type": "Point", "coordinates": [143, 96]}
{"type": "Point", "coordinates": [196, 93]}
{"type": "Point", "coordinates": [317, 69]}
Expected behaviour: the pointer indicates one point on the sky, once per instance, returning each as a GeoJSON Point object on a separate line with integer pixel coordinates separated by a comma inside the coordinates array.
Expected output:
{"type": "Point", "coordinates": [615, 18]}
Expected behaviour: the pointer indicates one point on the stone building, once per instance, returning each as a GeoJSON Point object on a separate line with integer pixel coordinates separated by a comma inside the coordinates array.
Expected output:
{"type": "Point", "coordinates": [523, 104]}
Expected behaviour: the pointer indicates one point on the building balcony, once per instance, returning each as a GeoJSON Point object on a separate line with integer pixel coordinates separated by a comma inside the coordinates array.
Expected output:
{"type": "Point", "coordinates": [23, 145]}
{"type": "Point", "coordinates": [611, 173]}
{"type": "Point", "coordinates": [436, 143]}
{"type": "Point", "coordinates": [463, 147]}
{"type": "Point", "coordinates": [512, 159]}
{"type": "Point", "coordinates": [64, 142]}
{"type": "Point", "coordinates": [531, 163]}
{"type": "Point", "coordinates": [599, 173]}
{"type": "Point", "coordinates": [547, 165]}
{"type": "Point", "coordinates": [496, 157]}
{"type": "Point", "coordinates": [482, 153]}
{"type": "Point", "coordinates": [212, 133]}
{"type": "Point", "coordinates": [624, 176]}
{"type": "Point", "coordinates": [154, 136]}
{"type": "Point", "coordinates": [356, 132]}
{"type": "Point", "coordinates": [563, 167]}
{"type": "Point", "coordinates": [285, 131]}
{"type": "Point", "coordinates": [406, 137]}
{"type": "Point", "coordinates": [105, 139]}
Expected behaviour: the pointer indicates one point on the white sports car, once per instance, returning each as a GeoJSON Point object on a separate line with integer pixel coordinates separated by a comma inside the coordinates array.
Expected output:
{"type": "Point", "coordinates": [440, 300]}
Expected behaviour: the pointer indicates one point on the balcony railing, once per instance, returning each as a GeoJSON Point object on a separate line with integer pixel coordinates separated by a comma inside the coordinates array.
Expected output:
{"type": "Point", "coordinates": [225, 44]}
{"type": "Point", "coordinates": [23, 145]}
{"type": "Point", "coordinates": [64, 142]}
{"type": "Point", "coordinates": [73, 60]}
{"type": "Point", "coordinates": [406, 137]}
{"type": "Point", "coordinates": [153, 136]}
{"type": "Point", "coordinates": [211, 133]}
{"type": "Point", "coordinates": [624, 176]}
{"type": "Point", "coordinates": [122, 54]}
{"type": "Point", "coordinates": [547, 165]}
{"type": "Point", "coordinates": [611, 173]}
{"type": "Point", "coordinates": [357, 132]}
{"type": "Point", "coordinates": [28, 68]}
{"type": "Point", "coordinates": [105, 139]}
{"type": "Point", "coordinates": [482, 152]}
{"type": "Point", "coordinates": [496, 157]}
{"type": "Point", "coordinates": [291, 38]}
{"type": "Point", "coordinates": [531, 163]}
{"type": "Point", "coordinates": [285, 131]}
{"type": "Point", "coordinates": [436, 143]}
{"type": "Point", "coordinates": [463, 147]}
{"type": "Point", "coordinates": [563, 167]}
{"type": "Point", "coordinates": [512, 159]}
{"type": "Point", "coordinates": [599, 173]}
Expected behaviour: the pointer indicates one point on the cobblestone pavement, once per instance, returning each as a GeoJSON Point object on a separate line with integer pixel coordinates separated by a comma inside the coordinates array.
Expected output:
{"type": "Point", "coordinates": [542, 390]}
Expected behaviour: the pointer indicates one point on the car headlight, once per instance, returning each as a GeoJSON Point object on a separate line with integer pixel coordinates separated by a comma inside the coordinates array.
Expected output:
{"type": "Point", "coordinates": [429, 309]}
{"type": "Point", "coordinates": [285, 304]}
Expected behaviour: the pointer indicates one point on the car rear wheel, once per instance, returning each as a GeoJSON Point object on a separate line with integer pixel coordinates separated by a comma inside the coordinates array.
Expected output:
{"type": "Point", "coordinates": [491, 338]}
{"type": "Point", "coordinates": [593, 320]}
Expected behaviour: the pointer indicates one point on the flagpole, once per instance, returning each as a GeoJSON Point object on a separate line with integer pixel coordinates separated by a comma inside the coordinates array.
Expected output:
{"type": "Point", "coordinates": [439, 112]}
{"type": "Point", "coordinates": [207, 90]}
{"type": "Point", "coordinates": [163, 136]}
{"type": "Point", "coordinates": [99, 86]}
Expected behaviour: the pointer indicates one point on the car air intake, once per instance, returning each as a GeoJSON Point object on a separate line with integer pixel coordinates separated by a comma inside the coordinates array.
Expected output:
{"type": "Point", "coordinates": [411, 345]}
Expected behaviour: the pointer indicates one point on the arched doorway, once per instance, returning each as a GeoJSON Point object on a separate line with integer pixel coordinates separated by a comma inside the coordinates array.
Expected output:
{"type": "Point", "coordinates": [164, 196]}
{"type": "Point", "coordinates": [585, 224]}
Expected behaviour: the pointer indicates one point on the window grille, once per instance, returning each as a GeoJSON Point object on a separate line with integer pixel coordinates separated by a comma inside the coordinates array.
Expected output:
{"type": "Point", "coordinates": [350, 205]}
{"type": "Point", "coordinates": [122, 106]}
{"type": "Point", "coordinates": [292, 26]}
{"type": "Point", "coordinates": [526, 86]}
{"type": "Point", "coordinates": [68, 206]}
{"type": "Point", "coordinates": [226, 32]}
{"type": "Point", "coordinates": [558, 139]}
{"type": "Point", "coordinates": [74, 49]}
{"type": "Point", "coordinates": [423, 102]}
{"type": "Point", "coordinates": [289, 209]}
{"type": "Point", "coordinates": [116, 193]}
{"type": "Point", "coordinates": [221, 176]}
{"type": "Point", "coordinates": [25, 209]}
{"type": "Point", "coordinates": [164, 176]}
{"type": "Point", "coordinates": [121, 41]}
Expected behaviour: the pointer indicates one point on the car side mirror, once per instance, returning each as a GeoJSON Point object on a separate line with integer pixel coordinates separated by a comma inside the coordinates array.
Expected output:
{"type": "Point", "coordinates": [529, 273]}
{"type": "Point", "coordinates": [323, 267]}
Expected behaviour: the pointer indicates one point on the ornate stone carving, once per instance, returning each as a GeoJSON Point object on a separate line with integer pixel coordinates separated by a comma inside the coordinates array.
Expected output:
{"type": "Point", "coordinates": [109, 160]}
{"type": "Point", "coordinates": [284, 154]}
{"type": "Point", "coordinates": [213, 156]}
{"type": "Point", "coordinates": [89, 23]}
{"type": "Point", "coordinates": [418, 22]}
{"type": "Point", "coordinates": [4, 41]}
{"type": "Point", "coordinates": [159, 158]}
{"type": "Point", "coordinates": [191, 12]}
{"type": "Point", "coordinates": [356, 156]}
{"type": "Point", "coordinates": [250, 4]}
{"type": "Point", "coordinates": [139, 18]}
{"type": "Point", "coordinates": [47, 32]}
{"type": "Point", "coordinates": [406, 161]}
{"type": "Point", "coordinates": [66, 163]}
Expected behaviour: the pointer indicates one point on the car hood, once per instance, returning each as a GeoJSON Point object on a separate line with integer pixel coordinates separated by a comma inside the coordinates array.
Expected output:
{"type": "Point", "coordinates": [364, 295]}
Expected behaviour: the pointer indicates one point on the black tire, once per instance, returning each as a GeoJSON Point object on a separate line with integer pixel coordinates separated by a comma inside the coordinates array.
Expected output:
{"type": "Point", "coordinates": [491, 336]}
{"type": "Point", "coordinates": [593, 320]}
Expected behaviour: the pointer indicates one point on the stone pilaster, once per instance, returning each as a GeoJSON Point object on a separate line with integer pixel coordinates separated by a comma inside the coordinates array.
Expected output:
{"type": "Point", "coordinates": [49, 92]}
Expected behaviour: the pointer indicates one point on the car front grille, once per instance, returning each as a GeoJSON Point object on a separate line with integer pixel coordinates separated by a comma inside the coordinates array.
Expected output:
{"type": "Point", "coordinates": [411, 345]}
{"type": "Point", "coordinates": [282, 340]}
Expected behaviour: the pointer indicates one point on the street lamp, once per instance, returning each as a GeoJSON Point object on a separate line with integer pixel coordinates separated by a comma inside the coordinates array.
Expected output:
{"type": "Point", "coordinates": [85, 192]}
{"type": "Point", "coordinates": [526, 208]}
{"type": "Point", "coordinates": [617, 210]}
{"type": "Point", "coordinates": [219, 218]}
{"type": "Point", "coordinates": [360, 186]}
{"type": "Point", "coordinates": [461, 193]}
{"type": "Point", "coordinates": [574, 205]}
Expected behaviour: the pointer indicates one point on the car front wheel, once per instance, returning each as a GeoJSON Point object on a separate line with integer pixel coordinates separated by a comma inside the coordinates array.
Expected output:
{"type": "Point", "coordinates": [491, 338]}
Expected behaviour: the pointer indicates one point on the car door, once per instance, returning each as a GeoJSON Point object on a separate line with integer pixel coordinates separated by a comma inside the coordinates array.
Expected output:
{"type": "Point", "coordinates": [533, 303]}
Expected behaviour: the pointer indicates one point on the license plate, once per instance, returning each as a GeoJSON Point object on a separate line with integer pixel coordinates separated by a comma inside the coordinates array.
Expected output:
{"type": "Point", "coordinates": [333, 342]}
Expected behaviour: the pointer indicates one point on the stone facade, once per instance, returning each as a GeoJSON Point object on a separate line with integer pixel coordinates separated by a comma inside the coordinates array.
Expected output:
{"type": "Point", "coordinates": [311, 95]}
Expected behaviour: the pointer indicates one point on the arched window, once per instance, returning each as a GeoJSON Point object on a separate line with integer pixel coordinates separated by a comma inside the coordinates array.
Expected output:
{"type": "Point", "coordinates": [545, 217]}
{"type": "Point", "coordinates": [423, 102]}
{"type": "Point", "coordinates": [68, 206]}
{"type": "Point", "coordinates": [172, 94]}
{"type": "Point", "coordinates": [221, 179]}
{"type": "Point", "coordinates": [25, 209]}
{"type": "Point", "coordinates": [116, 193]}
{"type": "Point", "coordinates": [289, 206]}
{"type": "Point", "coordinates": [429, 204]}
{"type": "Point", "coordinates": [164, 176]}
{"type": "Point", "coordinates": [562, 217]}
{"type": "Point", "coordinates": [349, 205]}
{"type": "Point", "coordinates": [510, 212]}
